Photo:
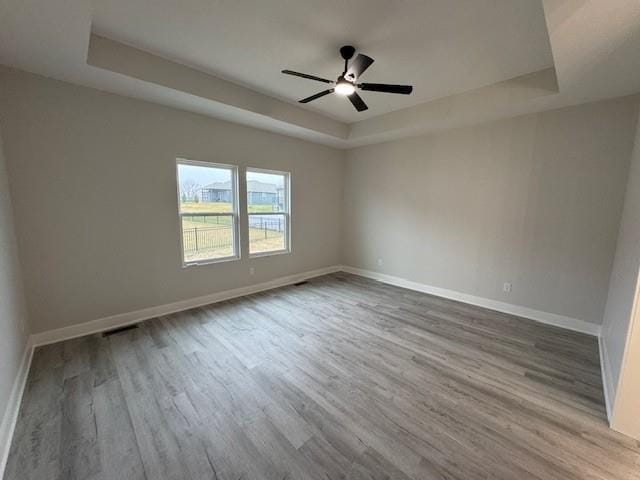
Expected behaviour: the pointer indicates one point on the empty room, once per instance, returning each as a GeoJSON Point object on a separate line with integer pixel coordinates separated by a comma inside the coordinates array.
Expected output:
{"type": "Point", "coordinates": [303, 240]}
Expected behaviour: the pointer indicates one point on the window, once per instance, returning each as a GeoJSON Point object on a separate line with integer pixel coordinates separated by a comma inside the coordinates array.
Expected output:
{"type": "Point", "coordinates": [268, 209]}
{"type": "Point", "coordinates": [208, 209]}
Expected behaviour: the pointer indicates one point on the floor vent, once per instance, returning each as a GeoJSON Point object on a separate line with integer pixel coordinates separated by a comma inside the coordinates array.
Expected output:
{"type": "Point", "coordinates": [119, 330]}
{"type": "Point", "coordinates": [300, 283]}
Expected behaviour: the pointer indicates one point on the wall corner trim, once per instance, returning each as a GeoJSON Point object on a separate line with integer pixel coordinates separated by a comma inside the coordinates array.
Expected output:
{"type": "Point", "coordinates": [556, 320]}
{"type": "Point", "coordinates": [607, 377]}
{"type": "Point", "coordinates": [10, 418]}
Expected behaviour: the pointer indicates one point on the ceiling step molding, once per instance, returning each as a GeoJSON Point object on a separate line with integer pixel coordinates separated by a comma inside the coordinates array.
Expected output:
{"type": "Point", "coordinates": [215, 96]}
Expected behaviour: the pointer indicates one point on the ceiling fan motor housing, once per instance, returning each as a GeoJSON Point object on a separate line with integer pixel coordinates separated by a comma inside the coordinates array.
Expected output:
{"type": "Point", "coordinates": [347, 52]}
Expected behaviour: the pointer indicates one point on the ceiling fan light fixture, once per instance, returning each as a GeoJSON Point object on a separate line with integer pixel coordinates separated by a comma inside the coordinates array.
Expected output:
{"type": "Point", "coordinates": [344, 88]}
{"type": "Point", "coordinates": [346, 84]}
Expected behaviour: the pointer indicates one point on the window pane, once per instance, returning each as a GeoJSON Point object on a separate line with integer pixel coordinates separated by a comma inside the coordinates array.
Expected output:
{"type": "Point", "coordinates": [205, 189]}
{"type": "Point", "coordinates": [266, 192]}
{"type": "Point", "coordinates": [267, 196]}
{"type": "Point", "coordinates": [207, 237]}
{"type": "Point", "coordinates": [267, 233]}
{"type": "Point", "coordinates": [205, 194]}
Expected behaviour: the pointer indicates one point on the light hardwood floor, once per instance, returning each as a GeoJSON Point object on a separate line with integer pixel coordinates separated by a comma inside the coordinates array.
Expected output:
{"type": "Point", "coordinates": [340, 378]}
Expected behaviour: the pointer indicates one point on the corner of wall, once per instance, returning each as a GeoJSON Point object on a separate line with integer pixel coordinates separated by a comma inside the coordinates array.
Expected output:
{"type": "Point", "coordinates": [605, 371]}
{"type": "Point", "coordinates": [15, 350]}
{"type": "Point", "coordinates": [623, 283]}
{"type": "Point", "coordinates": [342, 221]}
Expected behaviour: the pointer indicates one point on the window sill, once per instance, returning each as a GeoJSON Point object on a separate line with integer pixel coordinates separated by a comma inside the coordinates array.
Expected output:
{"type": "Point", "coordinates": [209, 262]}
{"type": "Point", "coordinates": [268, 254]}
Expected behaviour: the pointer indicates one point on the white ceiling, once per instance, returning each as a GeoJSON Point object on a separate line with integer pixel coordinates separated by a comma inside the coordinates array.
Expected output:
{"type": "Point", "coordinates": [447, 49]}
{"type": "Point", "coordinates": [442, 47]}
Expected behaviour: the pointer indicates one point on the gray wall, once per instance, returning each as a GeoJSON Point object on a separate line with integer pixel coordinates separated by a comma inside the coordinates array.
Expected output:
{"type": "Point", "coordinates": [624, 276]}
{"type": "Point", "coordinates": [535, 201]}
{"type": "Point", "coordinates": [94, 190]}
{"type": "Point", "coordinates": [13, 318]}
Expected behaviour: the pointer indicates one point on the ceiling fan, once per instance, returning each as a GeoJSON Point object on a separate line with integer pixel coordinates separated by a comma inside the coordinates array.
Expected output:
{"type": "Point", "coordinates": [346, 83]}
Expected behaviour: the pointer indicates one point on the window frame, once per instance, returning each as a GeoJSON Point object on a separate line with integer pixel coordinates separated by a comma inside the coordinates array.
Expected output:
{"type": "Point", "coordinates": [286, 213]}
{"type": "Point", "coordinates": [234, 214]}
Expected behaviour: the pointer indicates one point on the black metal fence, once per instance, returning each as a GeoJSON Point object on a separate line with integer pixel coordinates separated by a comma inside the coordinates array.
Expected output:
{"type": "Point", "coordinates": [206, 218]}
{"type": "Point", "coordinates": [274, 223]}
{"type": "Point", "coordinates": [207, 238]}
{"type": "Point", "coordinates": [217, 237]}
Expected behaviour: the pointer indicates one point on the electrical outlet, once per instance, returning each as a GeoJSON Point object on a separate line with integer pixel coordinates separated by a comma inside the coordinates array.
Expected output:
{"type": "Point", "coordinates": [506, 287]}
{"type": "Point", "coordinates": [252, 271]}
{"type": "Point", "coordinates": [379, 262]}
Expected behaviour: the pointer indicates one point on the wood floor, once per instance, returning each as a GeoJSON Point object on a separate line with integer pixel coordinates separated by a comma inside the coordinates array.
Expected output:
{"type": "Point", "coordinates": [340, 378]}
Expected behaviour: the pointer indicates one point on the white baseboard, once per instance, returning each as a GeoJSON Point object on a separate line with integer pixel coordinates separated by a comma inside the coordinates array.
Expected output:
{"type": "Point", "coordinates": [123, 319]}
{"type": "Point", "coordinates": [530, 313]}
{"type": "Point", "coordinates": [607, 378]}
{"type": "Point", "coordinates": [10, 417]}
{"type": "Point", "coordinates": [127, 318]}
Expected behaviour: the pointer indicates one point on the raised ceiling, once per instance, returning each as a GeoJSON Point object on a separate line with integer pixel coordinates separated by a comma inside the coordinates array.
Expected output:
{"type": "Point", "coordinates": [442, 47]}
{"type": "Point", "coordinates": [469, 60]}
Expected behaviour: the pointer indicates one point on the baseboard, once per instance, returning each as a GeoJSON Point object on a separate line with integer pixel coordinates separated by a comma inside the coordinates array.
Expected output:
{"type": "Point", "coordinates": [607, 378]}
{"type": "Point", "coordinates": [123, 319]}
{"type": "Point", "coordinates": [10, 417]}
{"type": "Point", "coordinates": [530, 313]}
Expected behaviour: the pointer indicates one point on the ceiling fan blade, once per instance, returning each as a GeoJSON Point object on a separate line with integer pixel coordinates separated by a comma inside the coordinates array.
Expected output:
{"type": "Point", "coordinates": [317, 95]}
{"type": "Point", "coordinates": [358, 102]}
{"type": "Point", "coordinates": [358, 66]}
{"type": "Point", "coordinates": [386, 88]}
{"type": "Point", "coordinates": [305, 75]}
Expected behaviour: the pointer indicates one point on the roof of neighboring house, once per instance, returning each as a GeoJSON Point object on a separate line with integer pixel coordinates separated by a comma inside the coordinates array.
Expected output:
{"type": "Point", "coordinates": [252, 186]}
{"type": "Point", "coordinates": [217, 186]}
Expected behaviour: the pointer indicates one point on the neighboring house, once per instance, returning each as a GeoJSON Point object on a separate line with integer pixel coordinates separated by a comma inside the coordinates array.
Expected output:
{"type": "Point", "coordinates": [259, 193]}
{"type": "Point", "coordinates": [216, 192]}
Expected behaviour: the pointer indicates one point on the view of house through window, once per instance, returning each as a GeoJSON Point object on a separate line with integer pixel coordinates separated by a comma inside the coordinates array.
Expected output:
{"type": "Point", "coordinates": [268, 209]}
{"type": "Point", "coordinates": [208, 211]}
